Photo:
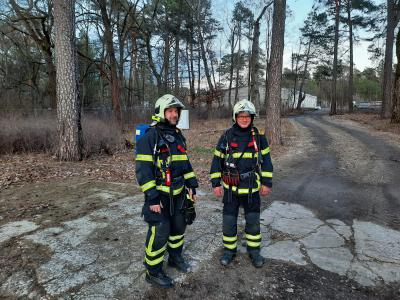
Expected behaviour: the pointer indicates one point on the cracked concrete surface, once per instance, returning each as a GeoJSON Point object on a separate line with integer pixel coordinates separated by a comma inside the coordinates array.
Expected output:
{"type": "Point", "coordinates": [99, 256]}
{"type": "Point", "coordinates": [363, 251]}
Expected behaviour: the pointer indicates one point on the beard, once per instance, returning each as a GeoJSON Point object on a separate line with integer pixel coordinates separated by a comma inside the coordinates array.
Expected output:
{"type": "Point", "coordinates": [173, 121]}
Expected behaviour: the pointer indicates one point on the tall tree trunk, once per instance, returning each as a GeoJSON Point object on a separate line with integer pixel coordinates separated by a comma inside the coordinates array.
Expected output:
{"type": "Point", "coordinates": [335, 60]}
{"type": "Point", "coordinates": [302, 95]}
{"type": "Point", "coordinates": [167, 47]}
{"type": "Point", "coordinates": [51, 84]}
{"type": "Point", "coordinates": [68, 108]}
{"type": "Point", "coordinates": [296, 76]}
{"type": "Point", "coordinates": [238, 60]}
{"type": "Point", "coordinates": [212, 68]}
{"type": "Point", "coordinates": [396, 94]}
{"type": "Point", "coordinates": [121, 76]}
{"type": "Point", "coordinates": [133, 72]}
{"type": "Point", "coordinates": [273, 127]}
{"type": "Point", "coordinates": [231, 69]}
{"type": "Point", "coordinates": [198, 73]}
{"type": "Point", "coordinates": [192, 81]}
{"type": "Point", "coordinates": [160, 86]}
{"type": "Point", "coordinates": [189, 72]}
{"type": "Point", "coordinates": [133, 90]}
{"type": "Point", "coordinates": [176, 66]}
{"type": "Point", "coordinates": [267, 49]}
{"type": "Point", "coordinates": [351, 89]}
{"type": "Point", "coordinates": [114, 81]}
{"type": "Point", "coordinates": [254, 64]}
{"type": "Point", "coordinates": [392, 21]}
{"type": "Point", "coordinates": [204, 57]}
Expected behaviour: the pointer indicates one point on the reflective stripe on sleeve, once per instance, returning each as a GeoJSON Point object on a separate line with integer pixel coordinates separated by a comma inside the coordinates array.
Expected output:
{"type": "Point", "coordinates": [148, 185]}
{"type": "Point", "coordinates": [266, 174]}
{"type": "Point", "coordinates": [219, 153]}
{"type": "Point", "coordinates": [179, 157]}
{"type": "Point", "coordinates": [144, 157]}
{"type": "Point", "coordinates": [265, 151]}
{"type": "Point", "coordinates": [189, 175]}
{"type": "Point", "coordinates": [215, 175]}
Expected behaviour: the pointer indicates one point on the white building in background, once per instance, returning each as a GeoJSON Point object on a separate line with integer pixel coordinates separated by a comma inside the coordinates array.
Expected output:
{"type": "Point", "coordinates": [310, 101]}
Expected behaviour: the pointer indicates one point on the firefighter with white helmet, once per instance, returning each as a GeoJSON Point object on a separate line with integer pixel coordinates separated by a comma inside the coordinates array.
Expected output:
{"type": "Point", "coordinates": [241, 171]}
{"type": "Point", "coordinates": [169, 184]}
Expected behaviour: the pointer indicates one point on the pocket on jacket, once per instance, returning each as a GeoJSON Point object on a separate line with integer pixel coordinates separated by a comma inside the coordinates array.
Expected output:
{"type": "Point", "coordinates": [150, 216]}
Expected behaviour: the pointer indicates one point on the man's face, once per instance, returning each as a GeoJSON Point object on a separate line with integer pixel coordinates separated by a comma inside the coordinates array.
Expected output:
{"type": "Point", "coordinates": [243, 119]}
{"type": "Point", "coordinates": [171, 115]}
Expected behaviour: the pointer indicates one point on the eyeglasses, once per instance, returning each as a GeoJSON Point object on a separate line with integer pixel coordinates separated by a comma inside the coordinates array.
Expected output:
{"type": "Point", "coordinates": [243, 117]}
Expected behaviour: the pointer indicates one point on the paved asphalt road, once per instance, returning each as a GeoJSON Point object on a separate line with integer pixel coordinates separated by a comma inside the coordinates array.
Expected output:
{"type": "Point", "coordinates": [318, 181]}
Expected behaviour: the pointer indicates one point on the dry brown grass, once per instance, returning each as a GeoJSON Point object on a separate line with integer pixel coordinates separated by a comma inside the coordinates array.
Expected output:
{"type": "Point", "coordinates": [373, 120]}
{"type": "Point", "coordinates": [39, 135]}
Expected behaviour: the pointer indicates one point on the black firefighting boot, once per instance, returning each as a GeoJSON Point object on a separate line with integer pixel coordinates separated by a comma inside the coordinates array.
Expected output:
{"type": "Point", "coordinates": [256, 259]}
{"type": "Point", "coordinates": [159, 278]}
{"type": "Point", "coordinates": [177, 261]}
{"type": "Point", "coordinates": [227, 258]}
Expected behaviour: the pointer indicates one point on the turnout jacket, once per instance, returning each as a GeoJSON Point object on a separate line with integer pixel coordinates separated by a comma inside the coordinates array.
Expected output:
{"type": "Point", "coordinates": [230, 148]}
{"type": "Point", "coordinates": [163, 147]}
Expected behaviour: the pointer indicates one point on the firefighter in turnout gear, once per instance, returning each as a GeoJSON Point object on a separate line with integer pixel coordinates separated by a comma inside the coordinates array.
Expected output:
{"type": "Point", "coordinates": [167, 180]}
{"type": "Point", "coordinates": [241, 170]}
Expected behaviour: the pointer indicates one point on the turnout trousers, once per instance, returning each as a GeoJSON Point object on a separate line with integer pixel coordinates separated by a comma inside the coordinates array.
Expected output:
{"type": "Point", "coordinates": [165, 233]}
{"type": "Point", "coordinates": [252, 216]}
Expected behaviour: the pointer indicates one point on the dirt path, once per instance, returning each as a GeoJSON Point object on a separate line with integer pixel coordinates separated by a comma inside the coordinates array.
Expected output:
{"type": "Point", "coordinates": [330, 230]}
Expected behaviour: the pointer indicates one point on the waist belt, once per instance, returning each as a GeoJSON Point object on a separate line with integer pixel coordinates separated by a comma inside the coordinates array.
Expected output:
{"type": "Point", "coordinates": [248, 176]}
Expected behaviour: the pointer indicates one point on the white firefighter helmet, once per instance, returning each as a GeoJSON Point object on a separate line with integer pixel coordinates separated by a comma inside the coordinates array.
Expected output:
{"type": "Point", "coordinates": [164, 102]}
{"type": "Point", "coordinates": [243, 106]}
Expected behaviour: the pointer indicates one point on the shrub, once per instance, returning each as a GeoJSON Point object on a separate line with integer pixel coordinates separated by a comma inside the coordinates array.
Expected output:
{"type": "Point", "coordinates": [33, 135]}
{"type": "Point", "coordinates": [100, 136]}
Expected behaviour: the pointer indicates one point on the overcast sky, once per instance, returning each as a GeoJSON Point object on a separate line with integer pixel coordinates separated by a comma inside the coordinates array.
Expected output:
{"type": "Point", "coordinates": [299, 9]}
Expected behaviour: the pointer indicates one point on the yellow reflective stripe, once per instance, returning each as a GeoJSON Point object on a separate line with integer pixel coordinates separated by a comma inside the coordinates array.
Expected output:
{"type": "Point", "coordinates": [179, 157]}
{"type": "Point", "coordinates": [150, 252]}
{"type": "Point", "coordinates": [155, 253]}
{"type": "Point", "coordinates": [215, 175]}
{"type": "Point", "coordinates": [266, 174]}
{"type": "Point", "coordinates": [253, 244]}
{"type": "Point", "coordinates": [148, 185]}
{"type": "Point", "coordinates": [229, 238]}
{"type": "Point", "coordinates": [152, 236]}
{"type": "Point", "coordinates": [265, 151]}
{"type": "Point", "coordinates": [175, 245]}
{"type": "Point", "coordinates": [144, 157]}
{"type": "Point", "coordinates": [175, 237]}
{"type": "Point", "coordinates": [230, 246]}
{"type": "Point", "coordinates": [218, 153]}
{"type": "Point", "coordinates": [253, 237]}
{"type": "Point", "coordinates": [241, 190]}
{"type": "Point", "coordinates": [245, 155]}
{"type": "Point", "coordinates": [165, 189]}
{"type": "Point", "coordinates": [154, 262]}
{"type": "Point", "coordinates": [189, 175]}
